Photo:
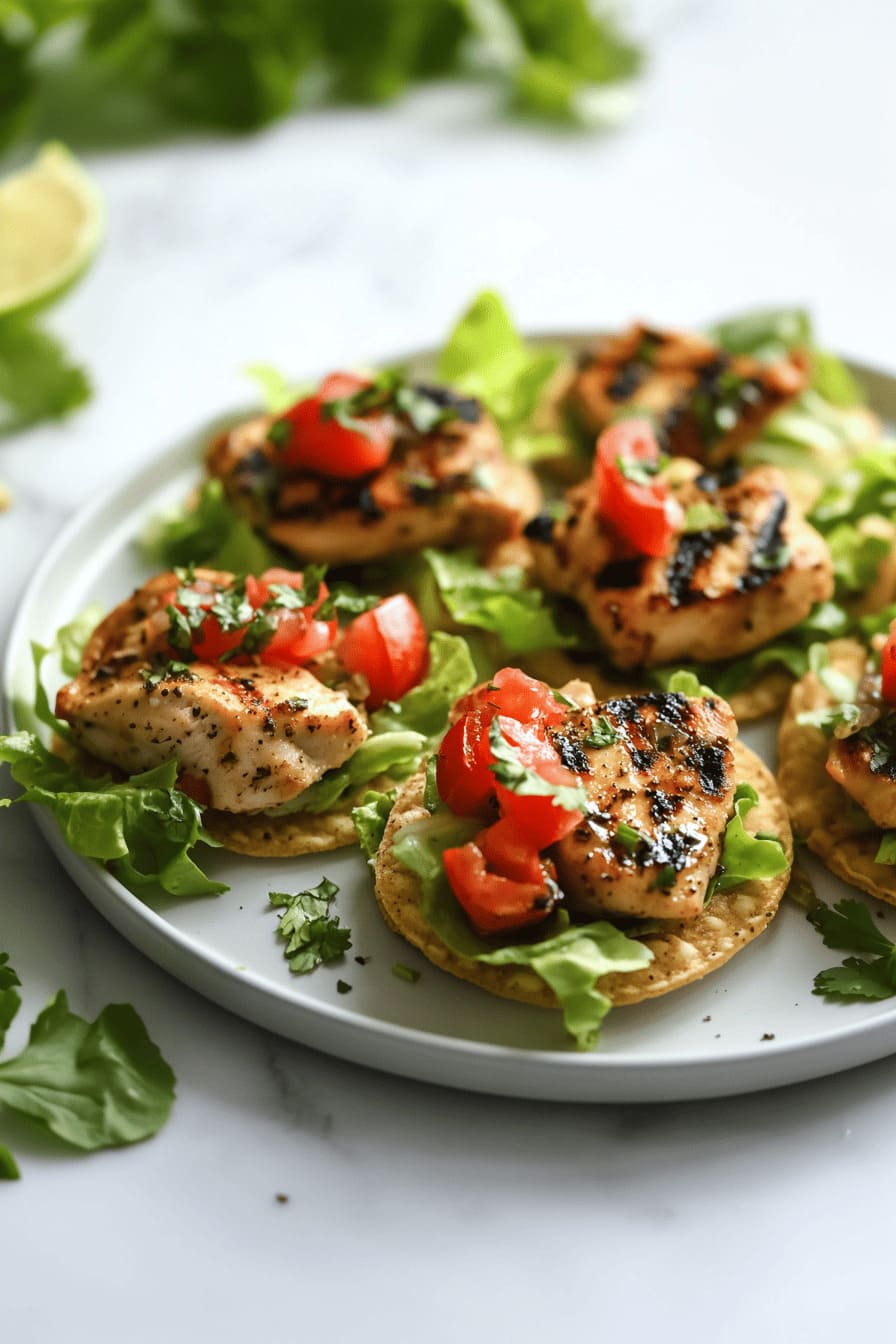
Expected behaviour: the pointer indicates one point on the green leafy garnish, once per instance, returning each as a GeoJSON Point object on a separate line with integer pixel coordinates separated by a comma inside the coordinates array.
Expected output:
{"type": "Point", "coordinates": [519, 779]}
{"type": "Point", "coordinates": [746, 857]}
{"type": "Point", "coordinates": [10, 999]}
{"type": "Point", "coordinates": [486, 357]}
{"type": "Point", "coordinates": [524, 619]}
{"type": "Point", "coordinates": [143, 829]}
{"type": "Point", "coordinates": [405, 973]}
{"type": "Point", "coordinates": [704, 517]}
{"type": "Point", "coordinates": [848, 925]}
{"type": "Point", "coordinates": [601, 733]}
{"type": "Point", "coordinates": [628, 837]}
{"type": "Point", "coordinates": [766, 333]}
{"type": "Point", "coordinates": [277, 392]}
{"type": "Point", "coordinates": [210, 533]}
{"type": "Point", "coordinates": [369, 819]}
{"type": "Point", "coordinates": [686, 683]}
{"type": "Point", "coordinates": [569, 960]}
{"type": "Point", "coordinates": [37, 379]}
{"type": "Point", "coordinates": [312, 936]}
{"type": "Point", "coordinates": [92, 1084]}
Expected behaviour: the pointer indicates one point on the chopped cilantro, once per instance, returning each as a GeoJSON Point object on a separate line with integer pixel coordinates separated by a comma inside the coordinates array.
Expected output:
{"type": "Point", "coordinates": [406, 973]}
{"type": "Point", "coordinates": [152, 676]}
{"type": "Point", "coordinates": [312, 936]}
{"type": "Point", "coordinates": [602, 733]}
{"type": "Point", "coordinates": [704, 517]}
{"type": "Point", "coordinates": [343, 987]}
{"type": "Point", "coordinates": [510, 771]}
{"type": "Point", "coordinates": [628, 837]}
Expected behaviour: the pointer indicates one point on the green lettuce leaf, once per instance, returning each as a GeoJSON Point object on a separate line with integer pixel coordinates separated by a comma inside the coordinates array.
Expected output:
{"type": "Point", "coordinates": [524, 619]}
{"type": "Point", "coordinates": [93, 1085]}
{"type": "Point", "coordinates": [832, 380]}
{"type": "Point", "coordinates": [143, 829]}
{"type": "Point", "coordinates": [277, 392]}
{"type": "Point", "coordinates": [395, 754]}
{"type": "Point", "coordinates": [209, 532]}
{"type": "Point", "coordinates": [569, 960]}
{"type": "Point", "coordinates": [369, 819]}
{"type": "Point", "coordinates": [9, 1170]}
{"type": "Point", "coordinates": [747, 857]}
{"type": "Point", "coordinates": [765, 333]}
{"type": "Point", "coordinates": [857, 558]}
{"type": "Point", "coordinates": [866, 486]}
{"type": "Point", "coordinates": [486, 357]}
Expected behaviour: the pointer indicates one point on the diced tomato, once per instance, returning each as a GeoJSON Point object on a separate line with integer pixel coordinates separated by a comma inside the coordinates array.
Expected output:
{"type": "Point", "coordinates": [463, 778]}
{"type": "Point", "coordinates": [536, 816]}
{"type": "Point", "coordinates": [297, 638]}
{"type": "Point", "coordinates": [888, 669]}
{"type": "Point", "coordinates": [316, 442]}
{"type": "Point", "coordinates": [494, 903]}
{"type": "Point", "coordinates": [643, 514]}
{"type": "Point", "coordinates": [210, 642]}
{"type": "Point", "coordinates": [387, 645]}
{"type": "Point", "coordinates": [508, 851]}
{"type": "Point", "coordinates": [517, 695]}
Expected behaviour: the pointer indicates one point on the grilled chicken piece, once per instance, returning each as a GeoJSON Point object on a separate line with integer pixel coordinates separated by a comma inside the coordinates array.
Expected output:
{"type": "Point", "coordinates": [451, 486]}
{"type": "Point", "coordinates": [717, 594]}
{"type": "Point", "coordinates": [245, 738]}
{"type": "Point", "coordinates": [669, 776]}
{"type": "Point", "coordinates": [707, 402]}
{"type": "Point", "coordinates": [849, 762]}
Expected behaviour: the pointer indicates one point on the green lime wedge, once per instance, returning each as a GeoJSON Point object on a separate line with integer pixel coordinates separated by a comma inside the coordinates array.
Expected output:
{"type": "Point", "coordinates": [51, 222]}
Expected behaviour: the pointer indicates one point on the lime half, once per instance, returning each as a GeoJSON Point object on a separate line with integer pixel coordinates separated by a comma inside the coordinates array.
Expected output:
{"type": "Point", "coordinates": [51, 221]}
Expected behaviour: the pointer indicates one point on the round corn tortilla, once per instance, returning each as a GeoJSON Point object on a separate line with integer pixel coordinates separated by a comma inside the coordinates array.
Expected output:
{"type": "Point", "coordinates": [823, 814]}
{"type": "Point", "coordinates": [767, 694]}
{"type": "Point", "coordinates": [684, 951]}
{"type": "Point", "coordinates": [291, 836]}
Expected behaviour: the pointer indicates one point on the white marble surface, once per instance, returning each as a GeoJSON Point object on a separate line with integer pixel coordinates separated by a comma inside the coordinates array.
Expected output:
{"type": "Point", "coordinates": [757, 169]}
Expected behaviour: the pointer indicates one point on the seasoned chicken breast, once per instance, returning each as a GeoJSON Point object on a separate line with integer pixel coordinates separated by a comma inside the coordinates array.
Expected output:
{"type": "Point", "coordinates": [451, 486]}
{"type": "Point", "coordinates": [751, 568]}
{"type": "Point", "coordinates": [707, 403]}
{"type": "Point", "coordinates": [245, 738]}
{"type": "Point", "coordinates": [667, 781]}
{"type": "Point", "coordinates": [867, 770]}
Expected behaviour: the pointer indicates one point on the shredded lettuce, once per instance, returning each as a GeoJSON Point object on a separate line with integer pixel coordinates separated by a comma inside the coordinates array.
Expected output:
{"type": "Point", "coordinates": [486, 357]}
{"type": "Point", "coordinates": [766, 333]}
{"type": "Point", "coordinates": [208, 532]}
{"type": "Point", "coordinates": [570, 960]}
{"type": "Point", "coordinates": [369, 819]}
{"type": "Point", "coordinates": [143, 829]}
{"type": "Point", "coordinates": [745, 857]}
{"type": "Point", "coordinates": [524, 619]}
{"type": "Point", "coordinates": [866, 486]}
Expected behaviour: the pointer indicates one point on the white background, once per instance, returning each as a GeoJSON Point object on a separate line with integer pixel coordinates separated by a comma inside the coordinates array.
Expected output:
{"type": "Point", "coordinates": [757, 169]}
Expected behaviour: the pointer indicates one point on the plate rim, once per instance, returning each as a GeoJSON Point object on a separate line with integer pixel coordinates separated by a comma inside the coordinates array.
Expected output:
{"type": "Point", "coordinates": [609, 1075]}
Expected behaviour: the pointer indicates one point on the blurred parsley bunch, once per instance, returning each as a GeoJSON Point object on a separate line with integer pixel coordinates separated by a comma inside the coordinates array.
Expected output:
{"type": "Point", "coordinates": [129, 68]}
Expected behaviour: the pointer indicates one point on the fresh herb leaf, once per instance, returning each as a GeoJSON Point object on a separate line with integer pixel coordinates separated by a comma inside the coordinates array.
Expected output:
{"type": "Point", "coordinates": [369, 819]}
{"type": "Point", "coordinates": [169, 670]}
{"type": "Point", "coordinates": [836, 683]}
{"type": "Point", "coordinates": [836, 721]}
{"type": "Point", "coordinates": [10, 999]}
{"type": "Point", "coordinates": [37, 380]}
{"type": "Point", "coordinates": [312, 936]}
{"type": "Point", "coordinates": [686, 683]}
{"type": "Point", "coordinates": [704, 517]}
{"type": "Point", "coordinates": [513, 775]}
{"type": "Point", "coordinates": [524, 619]}
{"type": "Point", "coordinates": [848, 925]}
{"type": "Point", "coordinates": [628, 837]}
{"type": "Point", "coordinates": [640, 471]}
{"type": "Point", "coordinates": [857, 557]}
{"type": "Point", "coordinates": [886, 850]}
{"type": "Point", "coordinates": [601, 733]}
{"type": "Point", "coordinates": [405, 973]}
{"type": "Point", "coordinates": [9, 1171]}
{"type": "Point", "coordinates": [92, 1084]}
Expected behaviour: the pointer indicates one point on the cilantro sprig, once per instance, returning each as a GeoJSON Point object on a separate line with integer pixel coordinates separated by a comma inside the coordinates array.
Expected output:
{"type": "Point", "coordinates": [848, 926]}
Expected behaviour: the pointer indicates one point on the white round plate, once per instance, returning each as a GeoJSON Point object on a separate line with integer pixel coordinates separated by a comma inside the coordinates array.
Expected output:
{"type": "Point", "coordinates": [754, 1024]}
